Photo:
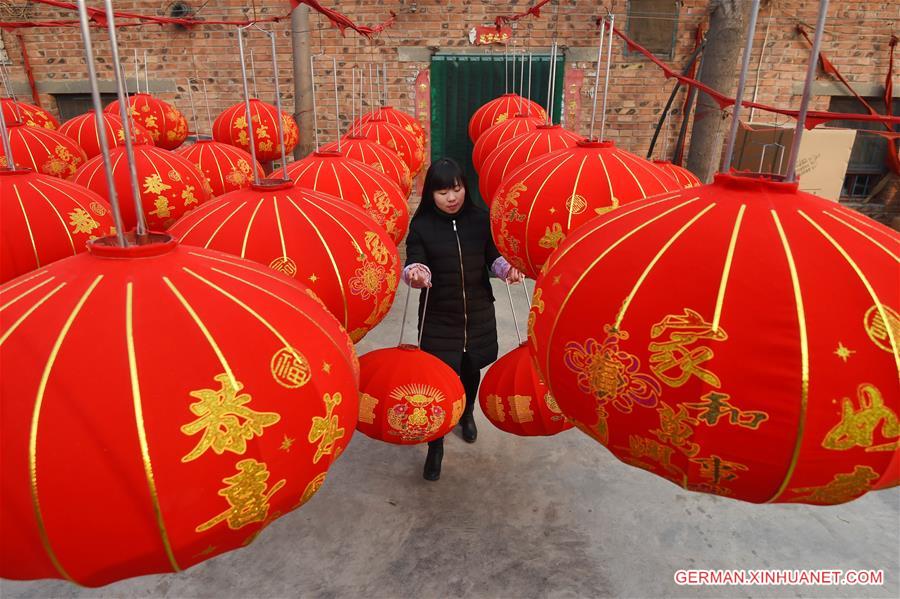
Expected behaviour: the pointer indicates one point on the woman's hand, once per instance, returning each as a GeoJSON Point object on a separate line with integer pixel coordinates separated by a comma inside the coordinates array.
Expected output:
{"type": "Point", "coordinates": [514, 275]}
{"type": "Point", "coordinates": [419, 278]}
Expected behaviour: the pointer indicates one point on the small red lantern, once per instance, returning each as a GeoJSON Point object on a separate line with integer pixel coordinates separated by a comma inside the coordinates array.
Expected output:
{"type": "Point", "coordinates": [684, 177]}
{"type": "Point", "coordinates": [540, 202]}
{"type": "Point", "coordinates": [230, 127]}
{"type": "Point", "coordinates": [397, 139]}
{"type": "Point", "coordinates": [738, 338]}
{"type": "Point", "coordinates": [44, 219]}
{"type": "Point", "coordinates": [166, 124]}
{"type": "Point", "coordinates": [407, 396]}
{"type": "Point", "coordinates": [490, 139]}
{"type": "Point", "coordinates": [351, 180]}
{"type": "Point", "coordinates": [515, 152]}
{"type": "Point", "coordinates": [329, 244]}
{"type": "Point", "coordinates": [223, 395]}
{"type": "Point", "coordinates": [379, 157]}
{"type": "Point", "coordinates": [516, 400]}
{"type": "Point", "coordinates": [83, 129]}
{"type": "Point", "coordinates": [170, 184]}
{"type": "Point", "coordinates": [500, 109]}
{"type": "Point", "coordinates": [44, 151]}
{"type": "Point", "coordinates": [28, 114]}
{"type": "Point", "coordinates": [396, 117]}
{"type": "Point", "coordinates": [225, 167]}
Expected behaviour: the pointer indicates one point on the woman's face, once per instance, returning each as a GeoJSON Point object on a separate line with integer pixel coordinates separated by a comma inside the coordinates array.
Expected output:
{"type": "Point", "coordinates": [450, 200]}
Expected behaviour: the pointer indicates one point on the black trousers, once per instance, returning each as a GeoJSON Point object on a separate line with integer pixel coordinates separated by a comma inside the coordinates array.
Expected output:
{"type": "Point", "coordinates": [470, 377]}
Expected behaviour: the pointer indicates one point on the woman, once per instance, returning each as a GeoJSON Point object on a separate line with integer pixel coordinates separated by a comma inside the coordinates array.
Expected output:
{"type": "Point", "coordinates": [449, 249]}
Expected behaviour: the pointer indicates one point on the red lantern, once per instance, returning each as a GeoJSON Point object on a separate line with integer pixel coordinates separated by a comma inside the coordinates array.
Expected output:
{"type": "Point", "coordinates": [222, 397]}
{"type": "Point", "coordinates": [43, 150]}
{"type": "Point", "coordinates": [328, 244]}
{"type": "Point", "coordinates": [684, 177]}
{"type": "Point", "coordinates": [514, 152]}
{"type": "Point", "coordinates": [225, 167]}
{"type": "Point", "coordinates": [407, 396]}
{"type": "Point", "coordinates": [170, 184]}
{"type": "Point", "coordinates": [231, 128]}
{"type": "Point", "coordinates": [397, 139]}
{"type": "Point", "coordinates": [335, 174]}
{"type": "Point", "coordinates": [166, 124]}
{"type": "Point", "coordinates": [540, 202]}
{"type": "Point", "coordinates": [516, 400]}
{"type": "Point", "coordinates": [500, 109]}
{"type": "Point", "coordinates": [379, 157]}
{"type": "Point", "coordinates": [492, 138]}
{"type": "Point", "coordinates": [396, 117]}
{"type": "Point", "coordinates": [44, 219]}
{"type": "Point", "coordinates": [28, 114]}
{"type": "Point", "coordinates": [738, 338]}
{"type": "Point", "coordinates": [83, 129]}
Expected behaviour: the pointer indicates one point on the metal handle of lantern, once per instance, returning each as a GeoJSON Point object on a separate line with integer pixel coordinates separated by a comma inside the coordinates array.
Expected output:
{"type": "Point", "coordinates": [742, 81]}
{"type": "Point", "coordinates": [597, 79]}
{"type": "Point", "coordinates": [7, 147]}
{"type": "Point", "coordinates": [406, 309]}
{"type": "Point", "coordinates": [249, 117]}
{"type": "Point", "coordinates": [512, 309]}
{"type": "Point", "coordinates": [612, 25]}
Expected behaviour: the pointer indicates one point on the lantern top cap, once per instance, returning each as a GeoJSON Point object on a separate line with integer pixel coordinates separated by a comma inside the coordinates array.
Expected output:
{"type": "Point", "coordinates": [547, 126]}
{"type": "Point", "coordinates": [757, 181]}
{"type": "Point", "coordinates": [155, 244]}
{"type": "Point", "coordinates": [596, 143]}
{"type": "Point", "coordinates": [272, 184]}
{"type": "Point", "coordinates": [408, 347]}
{"type": "Point", "coordinates": [328, 154]}
{"type": "Point", "coordinates": [6, 171]}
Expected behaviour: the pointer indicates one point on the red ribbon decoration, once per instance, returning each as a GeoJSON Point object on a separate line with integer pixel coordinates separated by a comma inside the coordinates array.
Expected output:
{"type": "Point", "coordinates": [534, 11]}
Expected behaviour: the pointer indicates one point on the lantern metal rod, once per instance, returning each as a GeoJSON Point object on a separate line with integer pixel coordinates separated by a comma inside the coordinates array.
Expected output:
{"type": "Point", "coordinates": [791, 175]}
{"type": "Point", "coordinates": [405, 310]}
{"type": "Point", "coordinates": [137, 73]}
{"type": "Point", "coordinates": [10, 93]}
{"type": "Point", "coordinates": [253, 74]}
{"type": "Point", "coordinates": [551, 81]}
{"type": "Point", "coordinates": [384, 78]}
{"type": "Point", "coordinates": [597, 79]}
{"type": "Point", "coordinates": [742, 82]}
{"type": "Point", "coordinates": [7, 147]}
{"type": "Point", "coordinates": [98, 122]}
{"type": "Point", "coordinates": [512, 309]}
{"type": "Point", "coordinates": [252, 140]}
{"type": "Point", "coordinates": [352, 101]}
{"type": "Point", "coordinates": [506, 67]}
{"type": "Point", "coordinates": [521, 81]}
{"type": "Point", "coordinates": [424, 312]}
{"type": "Point", "coordinates": [277, 84]}
{"type": "Point", "coordinates": [527, 295]}
{"type": "Point", "coordinates": [193, 108]}
{"type": "Point", "coordinates": [208, 113]}
{"type": "Point", "coordinates": [146, 74]}
{"type": "Point", "coordinates": [337, 103]}
{"type": "Point", "coordinates": [612, 25]}
{"type": "Point", "coordinates": [529, 83]}
{"type": "Point", "coordinates": [312, 76]}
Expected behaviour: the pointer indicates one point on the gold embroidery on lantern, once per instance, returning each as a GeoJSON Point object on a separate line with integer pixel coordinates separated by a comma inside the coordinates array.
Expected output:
{"type": "Point", "coordinates": [576, 204]}
{"type": "Point", "coordinates": [284, 264]}
{"type": "Point", "coordinates": [188, 196]}
{"type": "Point", "coordinates": [98, 208]}
{"type": "Point", "coordinates": [674, 429]}
{"type": "Point", "coordinates": [290, 368]}
{"type": "Point", "coordinates": [367, 405]}
{"type": "Point", "coordinates": [313, 486]}
{"type": "Point", "coordinates": [718, 470]}
{"type": "Point", "coordinates": [287, 443]}
{"type": "Point", "coordinates": [714, 406]}
{"type": "Point", "coordinates": [841, 489]}
{"type": "Point", "coordinates": [153, 184]}
{"type": "Point", "coordinates": [326, 430]}
{"type": "Point", "coordinates": [457, 410]}
{"type": "Point", "coordinates": [376, 248]}
{"type": "Point", "coordinates": [227, 423]}
{"type": "Point", "coordinates": [642, 447]}
{"type": "Point", "coordinates": [537, 302]}
{"type": "Point", "coordinates": [162, 207]}
{"type": "Point", "coordinates": [553, 236]}
{"type": "Point", "coordinates": [520, 409]}
{"type": "Point", "coordinates": [248, 495]}
{"type": "Point", "coordinates": [671, 360]}
{"type": "Point", "coordinates": [553, 406]}
{"type": "Point", "coordinates": [877, 329]}
{"type": "Point", "coordinates": [857, 428]}
{"type": "Point", "coordinates": [501, 117]}
{"type": "Point", "coordinates": [82, 221]}
{"type": "Point", "coordinates": [419, 416]}
{"type": "Point", "coordinates": [495, 409]}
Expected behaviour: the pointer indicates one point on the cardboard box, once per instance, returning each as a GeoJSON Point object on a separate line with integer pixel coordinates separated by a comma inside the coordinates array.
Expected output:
{"type": "Point", "coordinates": [821, 161]}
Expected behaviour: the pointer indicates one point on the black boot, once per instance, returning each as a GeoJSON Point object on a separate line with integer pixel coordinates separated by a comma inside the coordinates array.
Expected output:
{"type": "Point", "coordinates": [469, 430]}
{"type": "Point", "coordinates": [433, 462]}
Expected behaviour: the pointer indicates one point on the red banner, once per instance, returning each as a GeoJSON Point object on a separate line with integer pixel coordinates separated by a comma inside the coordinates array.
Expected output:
{"type": "Point", "coordinates": [484, 35]}
{"type": "Point", "coordinates": [423, 113]}
{"type": "Point", "coordinates": [572, 97]}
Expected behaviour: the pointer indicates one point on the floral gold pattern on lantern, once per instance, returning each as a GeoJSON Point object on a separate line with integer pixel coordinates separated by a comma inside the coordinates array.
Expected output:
{"type": "Point", "coordinates": [857, 427]}
{"type": "Point", "coordinates": [509, 207]}
{"type": "Point", "coordinates": [501, 117]}
{"type": "Point", "coordinates": [226, 421]}
{"type": "Point", "coordinates": [419, 415]}
{"type": "Point", "coordinates": [877, 329]}
{"type": "Point", "coordinates": [247, 494]}
{"type": "Point", "coordinates": [284, 265]}
{"type": "Point", "coordinates": [290, 368]}
{"type": "Point", "coordinates": [671, 360]}
{"type": "Point", "coordinates": [326, 430]}
{"type": "Point", "coordinates": [457, 409]}
{"type": "Point", "coordinates": [367, 280]}
{"type": "Point", "coordinates": [367, 405]}
{"type": "Point", "coordinates": [841, 489]}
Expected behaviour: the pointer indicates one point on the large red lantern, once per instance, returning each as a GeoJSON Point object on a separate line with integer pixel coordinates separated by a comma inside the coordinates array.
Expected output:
{"type": "Point", "coordinates": [684, 177]}
{"type": "Point", "coordinates": [166, 124]}
{"type": "Point", "coordinates": [512, 153]}
{"type": "Point", "coordinates": [500, 109]}
{"type": "Point", "coordinates": [516, 400]}
{"type": "Point", "coordinates": [230, 127]}
{"type": "Point", "coordinates": [44, 151]}
{"type": "Point", "coordinates": [492, 138]}
{"type": "Point", "coordinates": [225, 167]}
{"type": "Point", "coordinates": [222, 396]}
{"type": "Point", "coordinates": [379, 157]}
{"type": "Point", "coordinates": [44, 219]}
{"type": "Point", "coordinates": [83, 129]}
{"type": "Point", "coordinates": [738, 338]}
{"type": "Point", "coordinates": [28, 114]}
{"type": "Point", "coordinates": [407, 396]}
{"type": "Point", "coordinates": [170, 185]}
{"type": "Point", "coordinates": [396, 117]}
{"type": "Point", "coordinates": [397, 139]}
{"type": "Point", "coordinates": [328, 244]}
{"type": "Point", "coordinates": [540, 202]}
{"type": "Point", "coordinates": [351, 180]}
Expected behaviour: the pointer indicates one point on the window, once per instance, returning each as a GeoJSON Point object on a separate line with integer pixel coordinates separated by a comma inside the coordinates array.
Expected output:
{"type": "Point", "coordinates": [72, 105]}
{"type": "Point", "coordinates": [653, 24]}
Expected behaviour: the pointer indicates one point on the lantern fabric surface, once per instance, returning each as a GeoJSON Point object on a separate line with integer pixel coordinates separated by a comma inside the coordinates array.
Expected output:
{"type": "Point", "coordinates": [166, 124]}
{"type": "Point", "coordinates": [516, 400]}
{"type": "Point", "coordinates": [402, 119]}
{"type": "Point", "coordinates": [352, 181]}
{"type": "Point", "coordinates": [492, 138]}
{"type": "Point", "coordinates": [684, 177]}
{"type": "Point", "coordinates": [379, 157]}
{"type": "Point", "coordinates": [500, 109]}
{"type": "Point", "coordinates": [225, 395]}
{"type": "Point", "coordinates": [738, 338]}
{"type": "Point", "coordinates": [397, 139]}
{"type": "Point", "coordinates": [170, 184]}
{"type": "Point", "coordinates": [540, 202]}
{"type": "Point", "coordinates": [515, 152]}
{"type": "Point", "coordinates": [225, 167]}
{"type": "Point", "coordinates": [407, 396]}
{"type": "Point", "coordinates": [43, 150]}
{"type": "Point", "coordinates": [83, 130]}
{"type": "Point", "coordinates": [326, 243]}
{"type": "Point", "coordinates": [230, 127]}
{"type": "Point", "coordinates": [44, 219]}
{"type": "Point", "coordinates": [28, 114]}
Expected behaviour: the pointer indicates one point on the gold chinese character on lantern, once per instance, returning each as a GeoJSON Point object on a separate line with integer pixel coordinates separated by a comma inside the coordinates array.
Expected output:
{"type": "Point", "coordinates": [290, 368]}
{"type": "Point", "coordinates": [247, 494]}
{"type": "Point", "coordinates": [841, 489]}
{"type": "Point", "coordinates": [82, 221]}
{"type": "Point", "coordinates": [857, 427]}
{"type": "Point", "coordinates": [672, 360]}
{"type": "Point", "coordinates": [713, 406]}
{"type": "Point", "coordinates": [883, 327]}
{"type": "Point", "coordinates": [326, 430]}
{"type": "Point", "coordinates": [674, 428]}
{"type": "Point", "coordinates": [718, 470]}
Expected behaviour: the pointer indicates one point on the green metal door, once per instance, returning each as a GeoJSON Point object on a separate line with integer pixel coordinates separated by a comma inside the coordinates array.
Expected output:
{"type": "Point", "coordinates": [461, 84]}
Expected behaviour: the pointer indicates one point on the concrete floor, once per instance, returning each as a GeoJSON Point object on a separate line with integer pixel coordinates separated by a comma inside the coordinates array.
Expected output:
{"type": "Point", "coordinates": [519, 517]}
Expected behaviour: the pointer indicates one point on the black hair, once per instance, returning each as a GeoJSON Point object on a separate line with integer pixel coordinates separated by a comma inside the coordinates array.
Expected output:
{"type": "Point", "coordinates": [444, 173]}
